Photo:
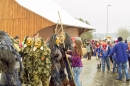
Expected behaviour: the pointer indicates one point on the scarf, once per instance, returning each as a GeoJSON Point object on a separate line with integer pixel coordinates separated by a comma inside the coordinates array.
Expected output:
{"type": "Point", "coordinates": [104, 47]}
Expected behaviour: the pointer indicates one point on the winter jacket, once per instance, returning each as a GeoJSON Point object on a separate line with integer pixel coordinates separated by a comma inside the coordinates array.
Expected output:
{"type": "Point", "coordinates": [105, 53]}
{"type": "Point", "coordinates": [76, 59]}
{"type": "Point", "coordinates": [120, 50]}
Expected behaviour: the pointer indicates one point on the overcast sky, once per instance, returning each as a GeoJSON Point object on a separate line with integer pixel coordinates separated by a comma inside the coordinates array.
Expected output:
{"type": "Point", "coordinates": [95, 12]}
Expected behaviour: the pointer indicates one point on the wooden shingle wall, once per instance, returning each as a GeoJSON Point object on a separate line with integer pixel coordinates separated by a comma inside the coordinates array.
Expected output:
{"type": "Point", "coordinates": [17, 20]}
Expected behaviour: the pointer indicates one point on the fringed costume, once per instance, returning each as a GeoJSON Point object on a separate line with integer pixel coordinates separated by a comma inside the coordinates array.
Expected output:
{"type": "Point", "coordinates": [8, 58]}
{"type": "Point", "coordinates": [55, 58]}
{"type": "Point", "coordinates": [65, 45]}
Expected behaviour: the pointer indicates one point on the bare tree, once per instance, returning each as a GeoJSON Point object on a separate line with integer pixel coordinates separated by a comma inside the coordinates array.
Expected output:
{"type": "Point", "coordinates": [85, 21]}
{"type": "Point", "coordinates": [87, 35]}
{"type": "Point", "coordinates": [123, 32]}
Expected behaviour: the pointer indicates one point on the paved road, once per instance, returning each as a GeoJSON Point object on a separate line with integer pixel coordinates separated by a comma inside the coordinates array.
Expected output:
{"type": "Point", "coordinates": [91, 76]}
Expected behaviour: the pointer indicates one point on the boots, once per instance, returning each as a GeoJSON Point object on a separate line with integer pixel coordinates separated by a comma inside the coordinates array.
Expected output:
{"type": "Point", "coordinates": [98, 65]}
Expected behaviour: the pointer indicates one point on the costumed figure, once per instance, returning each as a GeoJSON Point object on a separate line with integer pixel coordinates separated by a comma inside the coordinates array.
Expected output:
{"type": "Point", "coordinates": [66, 44]}
{"type": "Point", "coordinates": [9, 56]}
{"type": "Point", "coordinates": [55, 57]}
{"type": "Point", "coordinates": [18, 65]}
{"type": "Point", "coordinates": [41, 63]}
{"type": "Point", "coordinates": [27, 63]}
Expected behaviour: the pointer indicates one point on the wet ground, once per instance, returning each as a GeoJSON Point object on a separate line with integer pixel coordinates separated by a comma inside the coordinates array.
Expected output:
{"type": "Point", "coordinates": [91, 76]}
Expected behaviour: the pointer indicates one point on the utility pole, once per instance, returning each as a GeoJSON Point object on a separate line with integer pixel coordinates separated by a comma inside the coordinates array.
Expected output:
{"type": "Point", "coordinates": [107, 21]}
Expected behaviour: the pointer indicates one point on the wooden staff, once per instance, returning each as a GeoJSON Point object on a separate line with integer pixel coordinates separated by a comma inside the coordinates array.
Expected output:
{"type": "Point", "coordinates": [56, 27]}
{"type": "Point", "coordinates": [64, 47]}
{"type": "Point", "coordinates": [59, 30]}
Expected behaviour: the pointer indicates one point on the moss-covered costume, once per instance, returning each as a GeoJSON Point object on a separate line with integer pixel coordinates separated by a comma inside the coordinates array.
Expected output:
{"type": "Point", "coordinates": [26, 79]}
{"type": "Point", "coordinates": [41, 65]}
{"type": "Point", "coordinates": [26, 63]}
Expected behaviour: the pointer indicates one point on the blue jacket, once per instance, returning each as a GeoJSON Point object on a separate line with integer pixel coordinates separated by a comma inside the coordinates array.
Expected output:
{"type": "Point", "coordinates": [120, 50]}
{"type": "Point", "coordinates": [98, 51]}
{"type": "Point", "coordinates": [114, 57]}
{"type": "Point", "coordinates": [105, 53]}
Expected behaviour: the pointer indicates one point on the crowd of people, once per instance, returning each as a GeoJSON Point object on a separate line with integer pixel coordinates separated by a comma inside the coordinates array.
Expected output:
{"type": "Point", "coordinates": [106, 52]}
{"type": "Point", "coordinates": [58, 60]}
{"type": "Point", "coordinates": [35, 62]}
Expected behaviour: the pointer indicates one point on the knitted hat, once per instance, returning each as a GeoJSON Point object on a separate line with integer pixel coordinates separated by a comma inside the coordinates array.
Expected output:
{"type": "Point", "coordinates": [116, 41]}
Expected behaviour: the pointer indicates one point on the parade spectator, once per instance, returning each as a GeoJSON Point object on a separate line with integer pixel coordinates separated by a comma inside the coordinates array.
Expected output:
{"type": "Point", "coordinates": [104, 52]}
{"type": "Point", "coordinates": [17, 43]}
{"type": "Point", "coordinates": [100, 41]}
{"type": "Point", "coordinates": [128, 41]}
{"type": "Point", "coordinates": [125, 41]}
{"type": "Point", "coordinates": [93, 46]}
{"type": "Point", "coordinates": [114, 63]}
{"type": "Point", "coordinates": [89, 50]}
{"type": "Point", "coordinates": [76, 61]}
{"type": "Point", "coordinates": [114, 58]}
{"type": "Point", "coordinates": [110, 44]}
{"type": "Point", "coordinates": [17, 39]}
{"type": "Point", "coordinates": [120, 50]}
{"type": "Point", "coordinates": [97, 50]}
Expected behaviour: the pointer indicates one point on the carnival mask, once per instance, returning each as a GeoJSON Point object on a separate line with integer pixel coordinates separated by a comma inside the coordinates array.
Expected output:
{"type": "Point", "coordinates": [29, 41]}
{"type": "Point", "coordinates": [62, 38]}
{"type": "Point", "coordinates": [38, 43]}
{"type": "Point", "coordinates": [57, 40]}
